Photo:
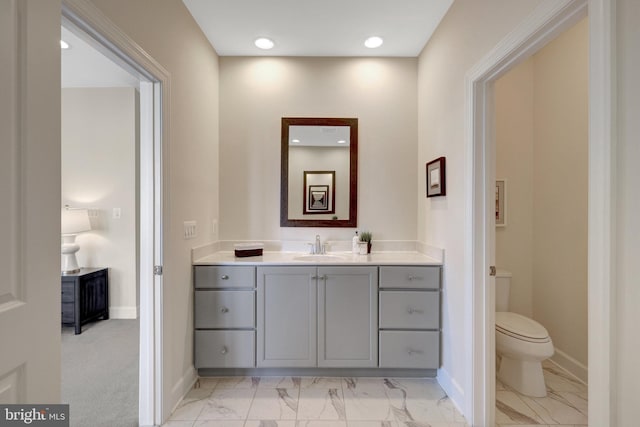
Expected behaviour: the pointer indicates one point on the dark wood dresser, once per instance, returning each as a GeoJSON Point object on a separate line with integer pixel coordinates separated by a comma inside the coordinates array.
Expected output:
{"type": "Point", "coordinates": [85, 297]}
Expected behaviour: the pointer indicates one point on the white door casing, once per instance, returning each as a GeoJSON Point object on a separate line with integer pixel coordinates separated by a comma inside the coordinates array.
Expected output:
{"type": "Point", "coordinates": [545, 23]}
{"type": "Point", "coordinates": [29, 202]}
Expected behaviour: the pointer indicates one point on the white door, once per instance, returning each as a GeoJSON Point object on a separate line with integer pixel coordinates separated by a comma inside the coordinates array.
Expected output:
{"type": "Point", "coordinates": [30, 201]}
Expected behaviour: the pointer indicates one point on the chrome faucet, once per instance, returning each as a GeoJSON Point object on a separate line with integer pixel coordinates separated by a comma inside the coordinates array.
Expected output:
{"type": "Point", "coordinates": [317, 248]}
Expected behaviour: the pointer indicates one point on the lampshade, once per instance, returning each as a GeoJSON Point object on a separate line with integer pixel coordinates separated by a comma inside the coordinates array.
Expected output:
{"type": "Point", "coordinates": [75, 221]}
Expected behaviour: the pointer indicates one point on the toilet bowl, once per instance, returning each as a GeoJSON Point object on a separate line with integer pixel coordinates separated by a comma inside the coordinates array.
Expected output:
{"type": "Point", "coordinates": [521, 343]}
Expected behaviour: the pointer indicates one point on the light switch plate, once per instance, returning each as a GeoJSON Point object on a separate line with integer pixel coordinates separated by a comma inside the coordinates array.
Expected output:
{"type": "Point", "coordinates": [189, 229]}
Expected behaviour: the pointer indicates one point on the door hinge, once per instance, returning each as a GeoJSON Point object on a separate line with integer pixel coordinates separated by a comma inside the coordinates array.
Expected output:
{"type": "Point", "coordinates": [492, 270]}
{"type": "Point", "coordinates": [157, 270]}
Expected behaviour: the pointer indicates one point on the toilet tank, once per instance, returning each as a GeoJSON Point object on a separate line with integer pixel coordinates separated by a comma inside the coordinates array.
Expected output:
{"type": "Point", "coordinates": [503, 284]}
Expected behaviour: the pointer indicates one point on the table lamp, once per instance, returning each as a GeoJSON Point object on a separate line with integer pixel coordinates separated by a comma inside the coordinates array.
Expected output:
{"type": "Point", "coordinates": [74, 222]}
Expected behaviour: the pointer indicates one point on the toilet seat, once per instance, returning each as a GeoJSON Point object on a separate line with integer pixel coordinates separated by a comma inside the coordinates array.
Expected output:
{"type": "Point", "coordinates": [521, 327]}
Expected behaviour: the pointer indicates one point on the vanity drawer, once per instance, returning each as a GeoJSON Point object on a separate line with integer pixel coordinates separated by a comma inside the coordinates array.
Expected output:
{"type": "Point", "coordinates": [410, 349]}
{"type": "Point", "coordinates": [224, 276]}
{"type": "Point", "coordinates": [410, 277]}
{"type": "Point", "coordinates": [225, 349]}
{"type": "Point", "coordinates": [409, 310]}
{"type": "Point", "coordinates": [224, 309]}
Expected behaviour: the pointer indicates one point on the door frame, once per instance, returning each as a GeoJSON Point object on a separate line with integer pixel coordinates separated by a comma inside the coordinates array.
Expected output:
{"type": "Point", "coordinates": [102, 34]}
{"type": "Point", "coordinates": [549, 19]}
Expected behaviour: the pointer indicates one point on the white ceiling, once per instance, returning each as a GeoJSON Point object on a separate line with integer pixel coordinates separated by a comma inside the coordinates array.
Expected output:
{"type": "Point", "coordinates": [320, 27]}
{"type": "Point", "coordinates": [84, 66]}
{"type": "Point", "coordinates": [298, 27]}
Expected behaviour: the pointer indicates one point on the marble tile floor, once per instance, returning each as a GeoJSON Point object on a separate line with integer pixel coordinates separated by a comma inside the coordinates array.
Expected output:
{"type": "Point", "coordinates": [316, 402]}
{"type": "Point", "coordinates": [565, 404]}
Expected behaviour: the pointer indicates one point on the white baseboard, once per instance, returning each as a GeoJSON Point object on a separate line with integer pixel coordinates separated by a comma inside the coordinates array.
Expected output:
{"type": "Point", "coordinates": [182, 387]}
{"type": "Point", "coordinates": [452, 388]}
{"type": "Point", "coordinates": [123, 312]}
{"type": "Point", "coordinates": [571, 365]}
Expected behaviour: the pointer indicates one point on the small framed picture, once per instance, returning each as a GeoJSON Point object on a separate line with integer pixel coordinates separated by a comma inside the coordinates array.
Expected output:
{"type": "Point", "coordinates": [501, 203]}
{"type": "Point", "coordinates": [436, 179]}
{"type": "Point", "coordinates": [318, 198]}
{"type": "Point", "coordinates": [319, 192]}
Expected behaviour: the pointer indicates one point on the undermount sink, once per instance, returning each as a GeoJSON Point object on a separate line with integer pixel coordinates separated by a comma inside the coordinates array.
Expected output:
{"type": "Point", "coordinates": [319, 257]}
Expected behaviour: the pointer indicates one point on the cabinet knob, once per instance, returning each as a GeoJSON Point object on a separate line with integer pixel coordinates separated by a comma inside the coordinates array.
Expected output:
{"type": "Point", "coordinates": [411, 352]}
{"type": "Point", "coordinates": [224, 310]}
{"type": "Point", "coordinates": [225, 277]}
{"type": "Point", "coordinates": [224, 350]}
{"type": "Point", "coordinates": [414, 310]}
{"type": "Point", "coordinates": [412, 278]}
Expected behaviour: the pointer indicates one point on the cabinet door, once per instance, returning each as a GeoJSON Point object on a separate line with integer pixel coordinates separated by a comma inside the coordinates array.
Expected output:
{"type": "Point", "coordinates": [286, 316]}
{"type": "Point", "coordinates": [348, 316]}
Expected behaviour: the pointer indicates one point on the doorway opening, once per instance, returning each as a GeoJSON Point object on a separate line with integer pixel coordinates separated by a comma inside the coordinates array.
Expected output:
{"type": "Point", "coordinates": [541, 138]}
{"type": "Point", "coordinates": [547, 21]}
{"type": "Point", "coordinates": [93, 28]}
{"type": "Point", "coordinates": [100, 180]}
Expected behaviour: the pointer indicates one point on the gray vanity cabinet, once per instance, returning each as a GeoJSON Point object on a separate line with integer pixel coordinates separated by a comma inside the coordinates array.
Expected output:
{"type": "Point", "coordinates": [410, 317]}
{"type": "Point", "coordinates": [224, 319]}
{"type": "Point", "coordinates": [286, 317]}
{"type": "Point", "coordinates": [317, 316]}
{"type": "Point", "coordinates": [347, 317]}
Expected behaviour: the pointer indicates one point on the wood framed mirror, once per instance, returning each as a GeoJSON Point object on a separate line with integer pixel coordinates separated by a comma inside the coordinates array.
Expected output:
{"type": "Point", "coordinates": [319, 155]}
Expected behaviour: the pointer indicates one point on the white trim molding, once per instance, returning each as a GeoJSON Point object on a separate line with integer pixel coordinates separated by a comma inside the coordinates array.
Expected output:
{"type": "Point", "coordinates": [602, 202]}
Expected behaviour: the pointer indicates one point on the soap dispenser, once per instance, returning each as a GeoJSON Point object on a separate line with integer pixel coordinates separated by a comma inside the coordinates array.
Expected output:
{"type": "Point", "coordinates": [355, 244]}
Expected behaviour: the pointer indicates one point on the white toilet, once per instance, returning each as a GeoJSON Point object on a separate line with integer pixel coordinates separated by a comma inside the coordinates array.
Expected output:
{"type": "Point", "coordinates": [522, 344]}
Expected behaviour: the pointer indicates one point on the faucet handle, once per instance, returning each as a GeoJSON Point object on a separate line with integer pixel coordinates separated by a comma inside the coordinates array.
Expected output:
{"type": "Point", "coordinates": [325, 245]}
{"type": "Point", "coordinates": [312, 248]}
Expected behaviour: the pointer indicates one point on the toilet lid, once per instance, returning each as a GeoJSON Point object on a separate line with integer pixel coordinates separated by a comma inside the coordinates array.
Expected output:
{"type": "Point", "coordinates": [521, 327]}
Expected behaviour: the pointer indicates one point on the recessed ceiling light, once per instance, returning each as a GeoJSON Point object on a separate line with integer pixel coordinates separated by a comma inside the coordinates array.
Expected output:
{"type": "Point", "coordinates": [295, 140]}
{"type": "Point", "coordinates": [342, 141]}
{"type": "Point", "coordinates": [373, 42]}
{"type": "Point", "coordinates": [64, 45]}
{"type": "Point", "coordinates": [264, 43]}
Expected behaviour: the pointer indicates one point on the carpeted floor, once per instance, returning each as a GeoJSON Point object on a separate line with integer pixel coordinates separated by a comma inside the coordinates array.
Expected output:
{"type": "Point", "coordinates": [100, 373]}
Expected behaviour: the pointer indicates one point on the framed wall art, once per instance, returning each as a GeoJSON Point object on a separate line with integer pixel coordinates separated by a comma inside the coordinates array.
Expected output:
{"type": "Point", "coordinates": [436, 178]}
{"type": "Point", "coordinates": [319, 192]}
{"type": "Point", "coordinates": [501, 203]}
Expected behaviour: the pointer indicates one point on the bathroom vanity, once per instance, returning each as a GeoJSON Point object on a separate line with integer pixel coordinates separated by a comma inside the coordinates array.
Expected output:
{"type": "Point", "coordinates": [284, 311]}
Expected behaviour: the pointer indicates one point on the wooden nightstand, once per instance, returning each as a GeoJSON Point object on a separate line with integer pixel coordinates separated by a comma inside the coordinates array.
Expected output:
{"type": "Point", "coordinates": [85, 297]}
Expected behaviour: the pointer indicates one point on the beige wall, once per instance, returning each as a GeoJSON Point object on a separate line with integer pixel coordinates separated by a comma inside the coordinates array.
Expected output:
{"type": "Point", "coordinates": [625, 336]}
{"type": "Point", "coordinates": [514, 93]}
{"type": "Point", "coordinates": [310, 158]}
{"type": "Point", "coordinates": [166, 30]}
{"type": "Point", "coordinates": [99, 171]}
{"type": "Point", "coordinates": [255, 93]}
{"type": "Point", "coordinates": [467, 33]}
{"type": "Point", "coordinates": [542, 150]}
{"type": "Point", "coordinates": [560, 193]}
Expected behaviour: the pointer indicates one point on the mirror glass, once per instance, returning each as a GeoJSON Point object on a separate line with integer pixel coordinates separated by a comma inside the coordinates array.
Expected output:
{"type": "Point", "coordinates": [319, 172]}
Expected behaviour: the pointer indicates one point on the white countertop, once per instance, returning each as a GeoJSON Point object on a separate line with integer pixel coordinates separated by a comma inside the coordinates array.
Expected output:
{"type": "Point", "coordinates": [331, 258]}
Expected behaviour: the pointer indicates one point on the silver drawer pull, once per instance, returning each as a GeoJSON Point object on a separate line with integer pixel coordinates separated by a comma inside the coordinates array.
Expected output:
{"type": "Point", "coordinates": [414, 310]}
{"type": "Point", "coordinates": [411, 352]}
{"type": "Point", "coordinates": [412, 278]}
{"type": "Point", "coordinates": [224, 350]}
{"type": "Point", "coordinates": [224, 310]}
{"type": "Point", "coordinates": [224, 277]}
